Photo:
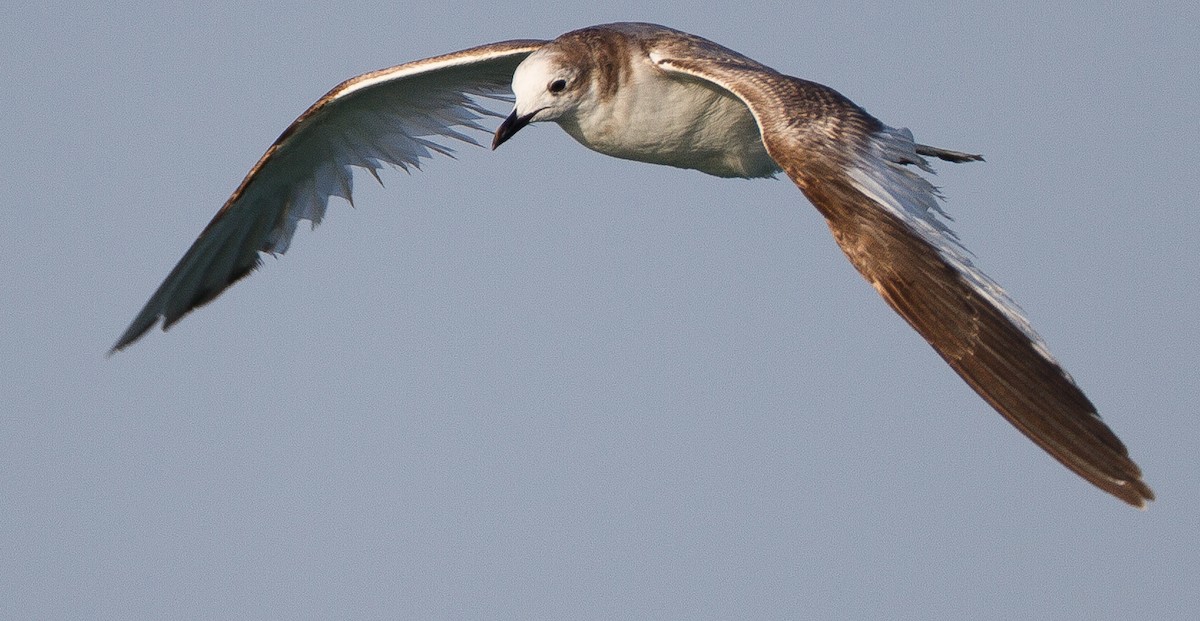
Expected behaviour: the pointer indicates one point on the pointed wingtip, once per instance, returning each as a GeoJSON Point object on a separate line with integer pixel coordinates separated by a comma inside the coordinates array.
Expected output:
{"type": "Point", "coordinates": [131, 335]}
{"type": "Point", "coordinates": [1139, 494]}
{"type": "Point", "coordinates": [1130, 489]}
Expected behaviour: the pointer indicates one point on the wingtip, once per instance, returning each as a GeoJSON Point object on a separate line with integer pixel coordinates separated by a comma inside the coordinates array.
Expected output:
{"type": "Point", "coordinates": [131, 336]}
{"type": "Point", "coordinates": [1141, 495]}
{"type": "Point", "coordinates": [143, 323]}
{"type": "Point", "coordinates": [1131, 491]}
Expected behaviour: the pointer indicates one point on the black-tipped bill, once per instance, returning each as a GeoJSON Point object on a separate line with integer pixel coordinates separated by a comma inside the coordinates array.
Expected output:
{"type": "Point", "coordinates": [511, 125]}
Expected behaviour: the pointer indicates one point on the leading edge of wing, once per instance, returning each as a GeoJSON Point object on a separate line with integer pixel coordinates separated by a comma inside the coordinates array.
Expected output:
{"type": "Point", "coordinates": [884, 216]}
{"type": "Point", "coordinates": [392, 116]}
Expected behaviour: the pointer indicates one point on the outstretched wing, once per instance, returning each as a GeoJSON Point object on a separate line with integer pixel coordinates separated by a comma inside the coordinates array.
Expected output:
{"type": "Point", "coordinates": [858, 173]}
{"type": "Point", "coordinates": [394, 116]}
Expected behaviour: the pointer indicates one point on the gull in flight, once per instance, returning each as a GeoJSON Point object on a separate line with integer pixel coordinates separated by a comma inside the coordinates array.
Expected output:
{"type": "Point", "coordinates": [652, 94]}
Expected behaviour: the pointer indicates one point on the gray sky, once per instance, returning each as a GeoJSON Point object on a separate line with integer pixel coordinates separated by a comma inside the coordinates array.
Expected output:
{"type": "Point", "coordinates": [542, 383]}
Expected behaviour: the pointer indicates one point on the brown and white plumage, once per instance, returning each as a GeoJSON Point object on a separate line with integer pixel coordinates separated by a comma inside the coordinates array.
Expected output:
{"type": "Point", "coordinates": [648, 93]}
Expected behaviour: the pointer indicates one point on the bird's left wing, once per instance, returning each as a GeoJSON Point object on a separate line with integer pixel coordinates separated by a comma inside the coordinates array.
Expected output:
{"type": "Point", "coordinates": [858, 173]}
{"type": "Point", "coordinates": [395, 116]}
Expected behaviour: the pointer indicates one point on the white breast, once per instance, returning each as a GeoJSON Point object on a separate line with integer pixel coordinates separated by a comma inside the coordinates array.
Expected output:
{"type": "Point", "coordinates": [685, 123]}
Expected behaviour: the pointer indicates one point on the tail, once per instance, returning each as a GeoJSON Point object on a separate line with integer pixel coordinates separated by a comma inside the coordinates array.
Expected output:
{"type": "Point", "coordinates": [957, 157]}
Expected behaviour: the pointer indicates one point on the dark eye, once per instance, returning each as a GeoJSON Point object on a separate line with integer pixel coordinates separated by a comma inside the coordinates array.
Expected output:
{"type": "Point", "coordinates": [557, 86]}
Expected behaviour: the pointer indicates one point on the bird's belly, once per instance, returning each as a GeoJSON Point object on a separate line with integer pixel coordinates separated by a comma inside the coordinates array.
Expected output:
{"type": "Point", "coordinates": [690, 125]}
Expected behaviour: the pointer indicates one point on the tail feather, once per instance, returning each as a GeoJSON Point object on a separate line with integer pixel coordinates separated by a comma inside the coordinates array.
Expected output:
{"type": "Point", "coordinates": [957, 157]}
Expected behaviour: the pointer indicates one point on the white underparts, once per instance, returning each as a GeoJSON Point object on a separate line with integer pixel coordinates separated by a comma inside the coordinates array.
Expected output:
{"type": "Point", "coordinates": [681, 122]}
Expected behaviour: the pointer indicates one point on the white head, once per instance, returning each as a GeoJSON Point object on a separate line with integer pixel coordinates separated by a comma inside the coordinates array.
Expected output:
{"type": "Point", "coordinates": [547, 88]}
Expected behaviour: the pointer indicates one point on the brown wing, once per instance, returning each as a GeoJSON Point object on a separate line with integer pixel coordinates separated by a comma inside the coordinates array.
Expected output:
{"type": "Point", "coordinates": [980, 341]}
{"type": "Point", "coordinates": [857, 172]}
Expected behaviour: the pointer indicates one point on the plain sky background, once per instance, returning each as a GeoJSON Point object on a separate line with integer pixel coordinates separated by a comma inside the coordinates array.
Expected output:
{"type": "Point", "coordinates": [544, 384]}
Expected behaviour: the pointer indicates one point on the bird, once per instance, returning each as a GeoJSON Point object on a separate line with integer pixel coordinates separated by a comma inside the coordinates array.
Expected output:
{"type": "Point", "coordinates": [653, 94]}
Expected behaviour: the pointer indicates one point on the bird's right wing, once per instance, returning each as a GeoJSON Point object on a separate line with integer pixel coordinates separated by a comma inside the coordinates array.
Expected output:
{"type": "Point", "coordinates": [395, 116]}
{"type": "Point", "coordinates": [858, 173]}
